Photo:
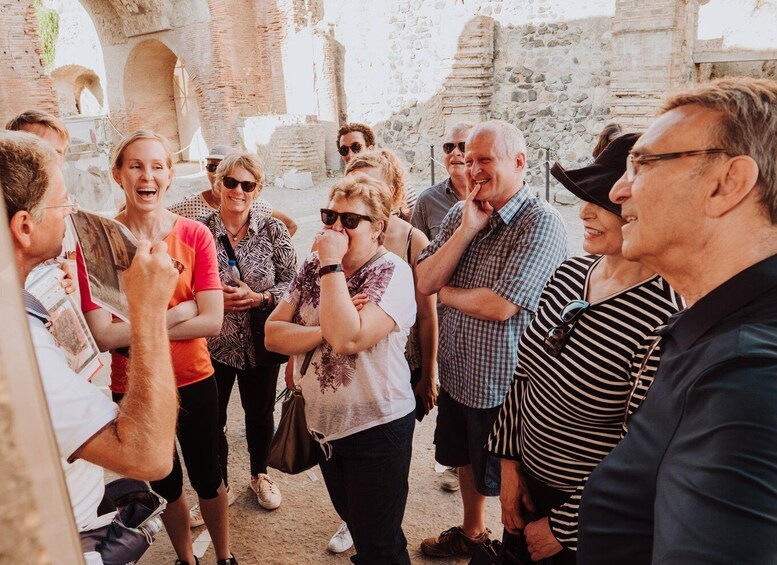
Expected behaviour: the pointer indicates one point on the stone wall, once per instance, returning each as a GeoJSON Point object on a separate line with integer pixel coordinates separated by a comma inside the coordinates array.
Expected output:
{"type": "Point", "coordinates": [23, 81]}
{"type": "Point", "coordinates": [418, 68]}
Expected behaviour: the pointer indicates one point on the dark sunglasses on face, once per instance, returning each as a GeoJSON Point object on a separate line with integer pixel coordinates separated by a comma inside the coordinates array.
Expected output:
{"type": "Point", "coordinates": [211, 167]}
{"type": "Point", "coordinates": [354, 147]}
{"type": "Point", "coordinates": [246, 185]}
{"type": "Point", "coordinates": [350, 220]}
{"type": "Point", "coordinates": [450, 146]}
{"type": "Point", "coordinates": [557, 336]}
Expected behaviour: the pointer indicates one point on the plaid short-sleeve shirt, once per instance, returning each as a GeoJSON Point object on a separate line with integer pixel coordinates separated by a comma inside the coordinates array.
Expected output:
{"type": "Point", "coordinates": [514, 256]}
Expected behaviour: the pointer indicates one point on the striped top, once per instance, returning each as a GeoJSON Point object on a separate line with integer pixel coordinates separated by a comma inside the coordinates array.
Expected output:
{"type": "Point", "coordinates": [564, 414]}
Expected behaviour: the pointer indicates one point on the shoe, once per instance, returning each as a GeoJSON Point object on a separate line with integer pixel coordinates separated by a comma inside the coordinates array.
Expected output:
{"type": "Point", "coordinates": [267, 492]}
{"type": "Point", "coordinates": [195, 515]}
{"type": "Point", "coordinates": [230, 561]}
{"type": "Point", "coordinates": [450, 479]}
{"type": "Point", "coordinates": [179, 562]}
{"type": "Point", "coordinates": [453, 542]}
{"type": "Point", "coordinates": [341, 541]}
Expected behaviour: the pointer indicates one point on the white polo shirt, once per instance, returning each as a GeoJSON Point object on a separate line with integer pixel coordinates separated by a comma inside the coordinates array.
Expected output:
{"type": "Point", "coordinates": [78, 411]}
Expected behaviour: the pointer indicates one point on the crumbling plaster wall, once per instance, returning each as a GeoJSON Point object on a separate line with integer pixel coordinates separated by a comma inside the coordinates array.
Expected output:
{"type": "Point", "coordinates": [548, 63]}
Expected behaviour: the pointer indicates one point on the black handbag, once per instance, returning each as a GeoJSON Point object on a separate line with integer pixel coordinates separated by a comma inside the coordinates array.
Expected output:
{"type": "Point", "coordinates": [132, 531]}
{"type": "Point", "coordinates": [292, 449]}
{"type": "Point", "coordinates": [258, 319]}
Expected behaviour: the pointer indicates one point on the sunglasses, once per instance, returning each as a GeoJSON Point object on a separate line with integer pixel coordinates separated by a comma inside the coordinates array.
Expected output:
{"type": "Point", "coordinates": [350, 220]}
{"type": "Point", "coordinates": [211, 167]}
{"type": "Point", "coordinates": [557, 336]}
{"type": "Point", "coordinates": [450, 146]}
{"type": "Point", "coordinates": [354, 147]}
{"type": "Point", "coordinates": [246, 185]}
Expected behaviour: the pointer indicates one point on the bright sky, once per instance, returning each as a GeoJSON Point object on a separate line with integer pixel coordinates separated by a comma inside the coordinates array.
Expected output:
{"type": "Point", "coordinates": [743, 23]}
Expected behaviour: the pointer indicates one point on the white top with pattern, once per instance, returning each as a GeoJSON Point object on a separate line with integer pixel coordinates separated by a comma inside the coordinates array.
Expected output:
{"type": "Point", "coordinates": [196, 208]}
{"type": "Point", "coordinates": [347, 394]}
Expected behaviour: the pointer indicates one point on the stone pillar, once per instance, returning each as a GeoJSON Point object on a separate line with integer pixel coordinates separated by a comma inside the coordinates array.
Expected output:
{"type": "Point", "coordinates": [24, 81]}
{"type": "Point", "coordinates": [652, 54]}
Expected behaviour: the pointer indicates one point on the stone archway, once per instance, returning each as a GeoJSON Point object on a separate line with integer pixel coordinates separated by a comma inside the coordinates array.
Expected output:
{"type": "Point", "coordinates": [151, 92]}
{"type": "Point", "coordinates": [79, 90]}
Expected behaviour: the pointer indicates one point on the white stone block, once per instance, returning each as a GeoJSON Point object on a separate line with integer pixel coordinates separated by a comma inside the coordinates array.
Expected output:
{"type": "Point", "coordinates": [298, 180]}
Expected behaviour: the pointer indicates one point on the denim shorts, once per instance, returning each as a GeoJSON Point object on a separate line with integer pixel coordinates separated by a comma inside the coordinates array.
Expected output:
{"type": "Point", "coordinates": [460, 439]}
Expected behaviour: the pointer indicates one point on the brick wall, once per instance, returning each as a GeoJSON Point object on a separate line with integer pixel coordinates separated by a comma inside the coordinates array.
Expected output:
{"type": "Point", "coordinates": [23, 82]}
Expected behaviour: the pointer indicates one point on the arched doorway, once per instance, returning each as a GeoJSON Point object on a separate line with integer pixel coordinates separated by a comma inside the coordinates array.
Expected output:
{"type": "Point", "coordinates": [158, 95]}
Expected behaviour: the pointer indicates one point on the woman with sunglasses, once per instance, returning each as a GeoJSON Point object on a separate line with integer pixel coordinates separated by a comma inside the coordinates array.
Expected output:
{"type": "Point", "coordinates": [265, 258]}
{"type": "Point", "coordinates": [200, 205]}
{"type": "Point", "coordinates": [407, 242]}
{"type": "Point", "coordinates": [349, 362]}
{"type": "Point", "coordinates": [586, 361]}
{"type": "Point", "coordinates": [143, 168]}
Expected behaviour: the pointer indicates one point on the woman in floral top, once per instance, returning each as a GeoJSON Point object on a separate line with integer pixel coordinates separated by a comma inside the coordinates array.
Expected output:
{"type": "Point", "coordinates": [267, 262]}
{"type": "Point", "coordinates": [356, 383]}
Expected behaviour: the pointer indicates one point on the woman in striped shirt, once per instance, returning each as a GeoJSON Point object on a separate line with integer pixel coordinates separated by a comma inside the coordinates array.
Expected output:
{"type": "Point", "coordinates": [581, 370]}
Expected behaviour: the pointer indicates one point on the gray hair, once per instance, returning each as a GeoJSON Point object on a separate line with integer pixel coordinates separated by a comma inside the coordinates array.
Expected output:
{"type": "Point", "coordinates": [461, 127]}
{"type": "Point", "coordinates": [512, 138]}
{"type": "Point", "coordinates": [747, 125]}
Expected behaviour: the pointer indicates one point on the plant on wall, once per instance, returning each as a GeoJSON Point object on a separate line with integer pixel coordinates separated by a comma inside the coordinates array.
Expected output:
{"type": "Point", "coordinates": [48, 29]}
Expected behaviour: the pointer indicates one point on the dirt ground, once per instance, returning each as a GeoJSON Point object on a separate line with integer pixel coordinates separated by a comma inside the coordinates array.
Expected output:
{"type": "Point", "coordinates": [299, 530]}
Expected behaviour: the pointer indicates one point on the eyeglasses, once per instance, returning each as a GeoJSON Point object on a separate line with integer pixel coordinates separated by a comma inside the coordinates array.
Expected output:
{"type": "Point", "coordinates": [71, 203]}
{"type": "Point", "coordinates": [211, 167]}
{"type": "Point", "coordinates": [354, 147]}
{"type": "Point", "coordinates": [246, 185]}
{"type": "Point", "coordinates": [450, 146]}
{"type": "Point", "coordinates": [350, 220]}
{"type": "Point", "coordinates": [633, 162]}
{"type": "Point", "coordinates": [557, 336]}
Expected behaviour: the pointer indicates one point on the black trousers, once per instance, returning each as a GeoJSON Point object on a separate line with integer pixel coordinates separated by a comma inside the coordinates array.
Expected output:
{"type": "Point", "coordinates": [546, 498]}
{"type": "Point", "coordinates": [257, 395]}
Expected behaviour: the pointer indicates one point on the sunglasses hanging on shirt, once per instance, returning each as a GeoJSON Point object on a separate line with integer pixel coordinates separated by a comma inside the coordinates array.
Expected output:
{"type": "Point", "coordinates": [557, 336]}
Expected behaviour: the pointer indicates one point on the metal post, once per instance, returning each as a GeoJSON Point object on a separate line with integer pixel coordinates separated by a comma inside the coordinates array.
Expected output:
{"type": "Point", "coordinates": [547, 174]}
{"type": "Point", "coordinates": [431, 160]}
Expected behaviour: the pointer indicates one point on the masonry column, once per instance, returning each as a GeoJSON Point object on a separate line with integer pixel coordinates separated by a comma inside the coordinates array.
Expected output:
{"type": "Point", "coordinates": [652, 54]}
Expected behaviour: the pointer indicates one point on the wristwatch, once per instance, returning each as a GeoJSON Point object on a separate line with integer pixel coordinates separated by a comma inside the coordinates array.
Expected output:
{"type": "Point", "coordinates": [326, 269]}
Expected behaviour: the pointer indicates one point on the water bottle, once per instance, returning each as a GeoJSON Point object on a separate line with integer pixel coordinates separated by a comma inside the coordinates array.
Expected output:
{"type": "Point", "coordinates": [233, 273]}
{"type": "Point", "coordinates": [151, 527]}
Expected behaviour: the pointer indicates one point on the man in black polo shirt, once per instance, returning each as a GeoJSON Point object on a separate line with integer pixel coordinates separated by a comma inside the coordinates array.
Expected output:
{"type": "Point", "coordinates": [695, 479]}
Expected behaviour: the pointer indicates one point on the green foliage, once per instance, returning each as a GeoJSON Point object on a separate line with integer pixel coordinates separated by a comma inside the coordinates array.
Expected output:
{"type": "Point", "coordinates": [48, 29]}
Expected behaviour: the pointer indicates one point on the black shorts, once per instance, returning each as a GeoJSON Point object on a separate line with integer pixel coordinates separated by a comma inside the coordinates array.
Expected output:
{"type": "Point", "coordinates": [198, 435]}
{"type": "Point", "coordinates": [460, 439]}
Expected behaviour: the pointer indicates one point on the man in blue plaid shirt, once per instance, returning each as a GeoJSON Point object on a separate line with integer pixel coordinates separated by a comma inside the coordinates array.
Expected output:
{"type": "Point", "coordinates": [494, 253]}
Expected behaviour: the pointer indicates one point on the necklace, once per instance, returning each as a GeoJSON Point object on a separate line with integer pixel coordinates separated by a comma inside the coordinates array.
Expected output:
{"type": "Point", "coordinates": [237, 233]}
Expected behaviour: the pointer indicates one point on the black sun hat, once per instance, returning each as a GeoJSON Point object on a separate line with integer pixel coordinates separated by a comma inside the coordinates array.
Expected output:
{"type": "Point", "coordinates": [593, 183]}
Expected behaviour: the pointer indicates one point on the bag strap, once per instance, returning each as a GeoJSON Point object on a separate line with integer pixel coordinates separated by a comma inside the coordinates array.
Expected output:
{"type": "Point", "coordinates": [224, 239]}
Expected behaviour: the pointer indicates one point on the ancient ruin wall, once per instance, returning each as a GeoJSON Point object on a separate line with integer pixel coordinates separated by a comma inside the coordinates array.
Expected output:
{"type": "Point", "coordinates": [543, 65]}
{"type": "Point", "coordinates": [23, 82]}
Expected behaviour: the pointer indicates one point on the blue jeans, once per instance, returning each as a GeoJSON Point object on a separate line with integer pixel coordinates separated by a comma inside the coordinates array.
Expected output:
{"type": "Point", "coordinates": [367, 481]}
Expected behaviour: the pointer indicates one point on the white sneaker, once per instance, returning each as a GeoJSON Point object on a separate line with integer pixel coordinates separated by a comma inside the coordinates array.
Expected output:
{"type": "Point", "coordinates": [195, 514]}
{"type": "Point", "coordinates": [341, 541]}
{"type": "Point", "coordinates": [267, 492]}
{"type": "Point", "coordinates": [450, 479]}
